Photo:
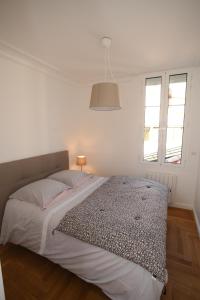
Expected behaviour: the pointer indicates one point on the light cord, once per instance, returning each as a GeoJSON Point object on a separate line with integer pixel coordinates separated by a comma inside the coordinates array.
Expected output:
{"type": "Point", "coordinates": [109, 66]}
{"type": "Point", "coordinates": [108, 74]}
{"type": "Point", "coordinates": [105, 64]}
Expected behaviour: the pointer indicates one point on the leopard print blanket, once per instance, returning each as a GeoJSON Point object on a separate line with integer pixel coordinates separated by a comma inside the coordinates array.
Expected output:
{"type": "Point", "coordinates": [126, 216]}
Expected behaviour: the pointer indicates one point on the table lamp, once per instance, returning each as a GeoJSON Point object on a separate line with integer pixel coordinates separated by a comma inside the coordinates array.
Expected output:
{"type": "Point", "coordinates": [81, 161]}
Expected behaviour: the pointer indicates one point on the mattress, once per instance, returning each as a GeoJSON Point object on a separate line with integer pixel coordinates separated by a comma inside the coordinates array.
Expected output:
{"type": "Point", "coordinates": [27, 225]}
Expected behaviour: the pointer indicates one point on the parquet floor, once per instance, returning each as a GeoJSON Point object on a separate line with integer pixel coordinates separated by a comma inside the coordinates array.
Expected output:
{"type": "Point", "coordinates": [28, 276]}
{"type": "Point", "coordinates": [183, 256]}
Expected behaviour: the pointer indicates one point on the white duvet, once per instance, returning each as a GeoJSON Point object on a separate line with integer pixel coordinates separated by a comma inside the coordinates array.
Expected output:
{"type": "Point", "coordinates": [27, 225]}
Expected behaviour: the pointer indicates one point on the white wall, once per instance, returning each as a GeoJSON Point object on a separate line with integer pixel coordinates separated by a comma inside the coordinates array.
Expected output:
{"type": "Point", "coordinates": [113, 140]}
{"type": "Point", "coordinates": [196, 133]}
{"type": "Point", "coordinates": [110, 139]}
{"type": "Point", "coordinates": [36, 111]}
{"type": "Point", "coordinates": [41, 113]}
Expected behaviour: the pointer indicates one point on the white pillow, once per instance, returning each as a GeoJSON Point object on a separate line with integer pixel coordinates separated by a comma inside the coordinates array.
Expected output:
{"type": "Point", "coordinates": [71, 178]}
{"type": "Point", "coordinates": [41, 193]}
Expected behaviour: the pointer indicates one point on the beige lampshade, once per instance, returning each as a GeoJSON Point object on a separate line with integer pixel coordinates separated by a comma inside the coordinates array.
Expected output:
{"type": "Point", "coordinates": [81, 160]}
{"type": "Point", "coordinates": [105, 96]}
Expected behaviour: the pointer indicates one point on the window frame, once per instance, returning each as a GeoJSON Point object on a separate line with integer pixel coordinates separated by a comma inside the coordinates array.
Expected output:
{"type": "Point", "coordinates": [164, 102]}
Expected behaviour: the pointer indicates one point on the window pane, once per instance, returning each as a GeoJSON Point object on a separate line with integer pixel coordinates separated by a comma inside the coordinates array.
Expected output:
{"type": "Point", "coordinates": [151, 144]}
{"type": "Point", "coordinates": [175, 116]}
{"type": "Point", "coordinates": [177, 89]}
{"type": "Point", "coordinates": [153, 91]}
{"type": "Point", "coordinates": [174, 145]}
{"type": "Point", "coordinates": [152, 116]}
{"type": "Point", "coordinates": [175, 121]}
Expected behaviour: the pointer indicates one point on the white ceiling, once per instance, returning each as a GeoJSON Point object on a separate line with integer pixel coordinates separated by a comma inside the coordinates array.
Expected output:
{"type": "Point", "coordinates": [148, 35]}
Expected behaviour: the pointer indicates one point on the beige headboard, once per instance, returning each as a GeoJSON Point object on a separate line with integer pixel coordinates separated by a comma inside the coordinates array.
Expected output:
{"type": "Point", "coordinates": [18, 173]}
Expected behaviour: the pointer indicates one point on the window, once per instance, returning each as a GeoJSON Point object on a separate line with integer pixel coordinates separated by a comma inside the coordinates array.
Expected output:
{"type": "Point", "coordinates": [165, 100]}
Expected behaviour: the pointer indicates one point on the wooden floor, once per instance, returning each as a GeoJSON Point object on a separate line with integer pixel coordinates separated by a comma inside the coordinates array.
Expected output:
{"type": "Point", "coordinates": [29, 276]}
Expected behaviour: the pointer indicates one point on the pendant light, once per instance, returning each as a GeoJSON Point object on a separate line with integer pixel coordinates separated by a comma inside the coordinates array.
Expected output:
{"type": "Point", "coordinates": [105, 95]}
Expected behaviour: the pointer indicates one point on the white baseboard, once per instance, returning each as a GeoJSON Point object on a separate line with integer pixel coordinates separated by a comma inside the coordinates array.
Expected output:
{"type": "Point", "coordinates": [181, 205]}
{"type": "Point", "coordinates": [197, 221]}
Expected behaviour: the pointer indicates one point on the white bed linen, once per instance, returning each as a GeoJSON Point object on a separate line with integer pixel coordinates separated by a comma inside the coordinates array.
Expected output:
{"type": "Point", "coordinates": [29, 226]}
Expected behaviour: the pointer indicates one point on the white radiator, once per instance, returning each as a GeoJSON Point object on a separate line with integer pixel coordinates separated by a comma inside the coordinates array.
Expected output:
{"type": "Point", "coordinates": [170, 180]}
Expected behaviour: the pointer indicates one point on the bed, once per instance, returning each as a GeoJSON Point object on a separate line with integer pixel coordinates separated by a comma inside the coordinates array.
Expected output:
{"type": "Point", "coordinates": [27, 225]}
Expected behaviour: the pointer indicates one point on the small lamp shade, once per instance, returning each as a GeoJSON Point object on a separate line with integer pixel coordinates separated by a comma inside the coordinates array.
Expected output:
{"type": "Point", "coordinates": [105, 96]}
{"type": "Point", "coordinates": [81, 160]}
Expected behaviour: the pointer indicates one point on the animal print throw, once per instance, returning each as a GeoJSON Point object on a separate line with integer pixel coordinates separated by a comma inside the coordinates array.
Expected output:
{"type": "Point", "coordinates": [126, 216]}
